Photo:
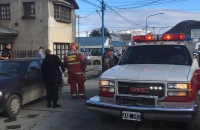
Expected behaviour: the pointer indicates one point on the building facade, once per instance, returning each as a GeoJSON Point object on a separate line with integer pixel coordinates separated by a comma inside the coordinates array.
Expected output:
{"type": "Point", "coordinates": [47, 23]}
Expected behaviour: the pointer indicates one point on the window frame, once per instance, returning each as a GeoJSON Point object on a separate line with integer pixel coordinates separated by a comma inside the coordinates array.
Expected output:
{"type": "Point", "coordinates": [62, 13]}
{"type": "Point", "coordinates": [29, 11]}
{"type": "Point", "coordinates": [5, 12]}
{"type": "Point", "coordinates": [61, 49]}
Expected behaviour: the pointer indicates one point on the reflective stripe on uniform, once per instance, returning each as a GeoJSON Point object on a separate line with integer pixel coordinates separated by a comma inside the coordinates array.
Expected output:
{"type": "Point", "coordinates": [74, 94]}
{"type": "Point", "coordinates": [77, 73]}
{"type": "Point", "coordinates": [82, 94]}
{"type": "Point", "coordinates": [73, 63]}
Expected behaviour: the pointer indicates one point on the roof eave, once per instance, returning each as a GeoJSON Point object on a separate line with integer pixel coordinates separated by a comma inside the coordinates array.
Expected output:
{"type": "Point", "coordinates": [75, 4]}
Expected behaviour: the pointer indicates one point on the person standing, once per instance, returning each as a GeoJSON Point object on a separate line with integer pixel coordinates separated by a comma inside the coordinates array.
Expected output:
{"type": "Point", "coordinates": [107, 61]}
{"type": "Point", "coordinates": [52, 77]}
{"type": "Point", "coordinates": [39, 53]}
{"type": "Point", "coordinates": [76, 64]}
{"type": "Point", "coordinates": [7, 52]}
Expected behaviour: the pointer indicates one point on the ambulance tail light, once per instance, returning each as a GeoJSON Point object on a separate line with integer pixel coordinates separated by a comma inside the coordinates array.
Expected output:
{"type": "Point", "coordinates": [142, 38]}
{"type": "Point", "coordinates": [173, 37]}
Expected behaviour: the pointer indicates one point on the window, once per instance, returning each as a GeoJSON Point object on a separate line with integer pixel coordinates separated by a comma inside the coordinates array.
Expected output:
{"type": "Point", "coordinates": [33, 69]}
{"type": "Point", "coordinates": [5, 12]}
{"type": "Point", "coordinates": [61, 49]}
{"type": "Point", "coordinates": [29, 10]}
{"type": "Point", "coordinates": [62, 13]}
{"type": "Point", "coordinates": [159, 54]}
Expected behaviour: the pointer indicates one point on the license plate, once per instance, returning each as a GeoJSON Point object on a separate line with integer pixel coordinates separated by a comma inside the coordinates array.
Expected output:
{"type": "Point", "coordinates": [126, 115]}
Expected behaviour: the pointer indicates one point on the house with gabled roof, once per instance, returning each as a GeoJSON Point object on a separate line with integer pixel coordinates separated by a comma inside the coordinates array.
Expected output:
{"type": "Point", "coordinates": [29, 24]}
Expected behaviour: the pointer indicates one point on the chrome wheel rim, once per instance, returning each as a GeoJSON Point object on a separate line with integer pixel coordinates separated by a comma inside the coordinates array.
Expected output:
{"type": "Point", "coordinates": [14, 106]}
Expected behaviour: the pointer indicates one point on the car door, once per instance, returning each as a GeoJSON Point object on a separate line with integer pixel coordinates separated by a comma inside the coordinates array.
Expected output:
{"type": "Point", "coordinates": [33, 82]}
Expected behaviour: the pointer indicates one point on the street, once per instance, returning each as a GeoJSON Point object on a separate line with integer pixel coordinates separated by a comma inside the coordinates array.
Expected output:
{"type": "Point", "coordinates": [73, 115]}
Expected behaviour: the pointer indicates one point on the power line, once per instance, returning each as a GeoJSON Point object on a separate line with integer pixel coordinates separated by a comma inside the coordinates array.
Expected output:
{"type": "Point", "coordinates": [147, 3]}
{"type": "Point", "coordinates": [88, 2]}
{"type": "Point", "coordinates": [123, 16]}
{"type": "Point", "coordinates": [140, 5]}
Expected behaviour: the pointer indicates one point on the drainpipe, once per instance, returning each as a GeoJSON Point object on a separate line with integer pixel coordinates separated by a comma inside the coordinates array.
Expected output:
{"type": "Point", "coordinates": [48, 30]}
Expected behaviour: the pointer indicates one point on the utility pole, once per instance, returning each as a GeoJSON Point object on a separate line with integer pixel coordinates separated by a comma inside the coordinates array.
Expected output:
{"type": "Point", "coordinates": [154, 30]}
{"type": "Point", "coordinates": [102, 18]}
{"type": "Point", "coordinates": [86, 34]}
{"type": "Point", "coordinates": [102, 9]}
{"type": "Point", "coordinates": [102, 30]}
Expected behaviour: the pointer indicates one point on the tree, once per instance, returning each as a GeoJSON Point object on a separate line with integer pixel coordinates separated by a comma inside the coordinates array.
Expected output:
{"type": "Point", "coordinates": [98, 32]}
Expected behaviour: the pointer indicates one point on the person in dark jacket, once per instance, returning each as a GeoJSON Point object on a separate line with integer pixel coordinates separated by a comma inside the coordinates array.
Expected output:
{"type": "Point", "coordinates": [52, 77]}
{"type": "Point", "coordinates": [7, 52]}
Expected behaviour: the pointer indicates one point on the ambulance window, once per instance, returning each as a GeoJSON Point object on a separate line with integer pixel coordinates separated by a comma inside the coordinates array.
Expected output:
{"type": "Point", "coordinates": [157, 54]}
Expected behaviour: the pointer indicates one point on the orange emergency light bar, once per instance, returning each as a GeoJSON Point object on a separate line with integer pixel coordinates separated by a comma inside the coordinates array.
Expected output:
{"type": "Point", "coordinates": [173, 37]}
{"type": "Point", "coordinates": [164, 37]}
{"type": "Point", "coordinates": [142, 38]}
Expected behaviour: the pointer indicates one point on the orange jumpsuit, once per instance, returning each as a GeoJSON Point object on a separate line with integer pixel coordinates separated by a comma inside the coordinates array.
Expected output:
{"type": "Point", "coordinates": [75, 63]}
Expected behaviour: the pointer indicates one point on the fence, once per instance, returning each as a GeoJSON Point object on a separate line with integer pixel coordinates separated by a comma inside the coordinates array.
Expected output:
{"type": "Point", "coordinates": [24, 54]}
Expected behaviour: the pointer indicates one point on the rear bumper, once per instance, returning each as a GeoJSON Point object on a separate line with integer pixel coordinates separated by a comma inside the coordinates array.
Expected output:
{"type": "Point", "coordinates": [89, 61]}
{"type": "Point", "coordinates": [181, 111]}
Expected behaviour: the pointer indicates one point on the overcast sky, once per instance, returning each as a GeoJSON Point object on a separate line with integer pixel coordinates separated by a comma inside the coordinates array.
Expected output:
{"type": "Point", "coordinates": [131, 14]}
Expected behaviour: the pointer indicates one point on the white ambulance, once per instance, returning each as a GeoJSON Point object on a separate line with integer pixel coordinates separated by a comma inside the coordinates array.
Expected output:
{"type": "Point", "coordinates": [156, 79]}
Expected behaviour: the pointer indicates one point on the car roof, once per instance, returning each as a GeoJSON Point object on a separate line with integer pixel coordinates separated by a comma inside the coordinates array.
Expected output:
{"type": "Point", "coordinates": [24, 59]}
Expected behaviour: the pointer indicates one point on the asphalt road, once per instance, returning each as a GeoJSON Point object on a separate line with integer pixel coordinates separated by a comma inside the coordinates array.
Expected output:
{"type": "Point", "coordinates": [73, 115]}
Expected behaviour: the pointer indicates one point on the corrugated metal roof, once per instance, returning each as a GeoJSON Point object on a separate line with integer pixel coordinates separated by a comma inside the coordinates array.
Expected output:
{"type": "Point", "coordinates": [7, 31]}
{"type": "Point", "coordinates": [117, 43]}
{"type": "Point", "coordinates": [90, 41]}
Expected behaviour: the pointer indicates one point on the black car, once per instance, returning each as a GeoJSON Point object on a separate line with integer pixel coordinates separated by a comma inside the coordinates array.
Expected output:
{"type": "Point", "coordinates": [20, 83]}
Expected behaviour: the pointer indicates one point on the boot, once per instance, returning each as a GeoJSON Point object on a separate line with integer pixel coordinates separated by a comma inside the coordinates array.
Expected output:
{"type": "Point", "coordinates": [56, 105]}
{"type": "Point", "coordinates": [74, 97]}
{"type": "Point", "coordinates": [82, 97]}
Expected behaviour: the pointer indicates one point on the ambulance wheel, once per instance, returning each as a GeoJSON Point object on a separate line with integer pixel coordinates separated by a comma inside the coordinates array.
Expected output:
{"type": "Point", "coordinates": [96, 62]}
{"type": "Point", "coordinates": [194, 124]}
{"type": "Point", "coordinates": [107, 118]}
{"type": "Point", "coordinates": [13, 106]}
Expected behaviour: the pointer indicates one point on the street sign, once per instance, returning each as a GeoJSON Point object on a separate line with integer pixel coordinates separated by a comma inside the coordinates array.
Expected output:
{"type": "Point", "coordinates": [125, 37]}
{"type": "Point", "coordinates": [195, 33]}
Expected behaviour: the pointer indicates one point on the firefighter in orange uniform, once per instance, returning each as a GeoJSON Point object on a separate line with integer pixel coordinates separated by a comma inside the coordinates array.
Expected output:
{"type": "Point", "coordinates": [76, 64]}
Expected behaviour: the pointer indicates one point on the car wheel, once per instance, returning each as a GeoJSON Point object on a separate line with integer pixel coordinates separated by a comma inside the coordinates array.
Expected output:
{"type": "Point", "coordinates": [96, 62]}
{"type": "Point", "coordinates": [13, 106]}
{"type": "Point", "coordinates": [194, 124]}
{"type": "Point", "coordinates": [107, 118]}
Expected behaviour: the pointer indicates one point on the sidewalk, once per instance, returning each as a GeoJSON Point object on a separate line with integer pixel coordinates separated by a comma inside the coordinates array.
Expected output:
{"type": "Point", "coordinates": [90, 73]}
